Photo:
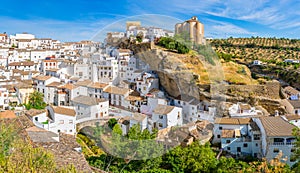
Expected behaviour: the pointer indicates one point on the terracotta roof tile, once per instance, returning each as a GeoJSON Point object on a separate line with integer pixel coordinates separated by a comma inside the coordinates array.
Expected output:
{"type": "Point", "coordinates": [64, 111]}
{"type": "Point", "coordinates": [163, 109]}
{"type": "Point", "coordinates": [276, 126]}
{"type": "Point", "coordinates": [7, 115]}
{"type": "Point", "coordinates": [86, 100]}
{"type": "Point", "coordinates": [116, 90]}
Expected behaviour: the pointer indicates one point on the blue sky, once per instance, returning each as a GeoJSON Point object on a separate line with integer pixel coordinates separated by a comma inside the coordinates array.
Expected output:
{"type": "Point", "coordinates": [75, 20]}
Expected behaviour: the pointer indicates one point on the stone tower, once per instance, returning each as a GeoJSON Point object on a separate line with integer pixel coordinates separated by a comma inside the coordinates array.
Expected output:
{"type": "Point", "coordinates": [193, 28]}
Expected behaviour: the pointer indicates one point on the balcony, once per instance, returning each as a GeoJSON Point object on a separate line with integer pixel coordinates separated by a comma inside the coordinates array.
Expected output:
{"type": "Point", "coordinates": [281, 143]}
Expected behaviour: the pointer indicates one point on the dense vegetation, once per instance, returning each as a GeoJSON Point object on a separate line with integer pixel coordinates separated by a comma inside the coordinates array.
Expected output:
{"type": "Point", "coordinates": [36, 101]}
{"type": "Point", "coordinates": [172, 44]}
{"type": "Point", "coordinates": [195, 158]}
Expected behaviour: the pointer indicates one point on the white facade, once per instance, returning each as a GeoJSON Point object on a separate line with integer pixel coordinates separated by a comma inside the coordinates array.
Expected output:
{"type": "Point", "coordinates": [89, 108]}
{"type": "Point", "coordinates": [62, 120]}
{"type": "Point", "coordinates": [165, 116]}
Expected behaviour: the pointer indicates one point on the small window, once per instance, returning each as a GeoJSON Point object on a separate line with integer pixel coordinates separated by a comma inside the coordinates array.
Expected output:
{"type": "Point", "coordinates": [71, 131]}
{"type": "Point", "coordinates": [276, 150]}
{"type": "Point", "coordinates": [245, 145]}
{"type": "Point", "coordinates": [256, 144]}
{"type": "Point", "coordinates": [61, 122]}
{"type": "Point", "coordinates": [161, 117]}
{"type": "Point", "coordinates": [220, 128]}
{"type": "Point", "coordinates": [58, 131]}
{"type": "Point", "coordinates": [228, 148]}
{"type": "Point", "coordinates": [160, 125]}
{"type": "Point", "coordinates": [227, 141]}
{"type": "Point", "coordinates": [218, 136]}
{"type": "Point", "coordinates": [70, 121]}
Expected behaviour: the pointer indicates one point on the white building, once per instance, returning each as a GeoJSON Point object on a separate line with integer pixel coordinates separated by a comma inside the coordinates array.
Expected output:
{"type": "Point", "coordinates": [256, 62]}
{"type": "Point", "coordinates": [291, 93]}
{"type": "Point", "coordinates": [276, 137]}
{"type": "Point", "coordinates": [41, 83]}
{"type": "Point", "coordinates": [116, 95]}
{"type": "Point", "coordinates": [238, 136]}
{"type": "Point", "coordinates": [4, 98]}
{"type": "Point", "coordinates": [146, 82]}
{"type": "Point", "coordinates": [293, 119]}
{"type": "Point", "coordinates": [62, 120]}
{"type": "Point", "coordinates": [165, 116]}
{"type": "Point", "coordinates": [89, 108]}
{"type": "Point", "coordinates": [243, 110]}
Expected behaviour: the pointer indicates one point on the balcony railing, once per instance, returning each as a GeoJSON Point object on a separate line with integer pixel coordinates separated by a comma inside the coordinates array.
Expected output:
{"type": "Point", "coordinates": [281, 143]}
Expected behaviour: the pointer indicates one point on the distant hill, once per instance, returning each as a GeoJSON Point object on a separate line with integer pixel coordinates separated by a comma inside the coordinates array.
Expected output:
{"type": "Point", "coordinates": [271, 51]}
{"type": "Point", "coordinates": [268, 50]}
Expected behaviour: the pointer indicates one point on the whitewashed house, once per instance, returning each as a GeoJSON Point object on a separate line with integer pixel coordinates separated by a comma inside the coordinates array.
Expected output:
{"type": "Point", "coordinates": [116, 95]}
{"type": "Point", "coordinates": [295, 106]}
{"type": "Point", "coordinates": [243, 110]}
{"type": "Point", "coordinates": [4, 98]}
{"type": "Point", "coordinates": [292, 93]}
{"type": "Point", "coordinates": [165, 116]}
{"type": "Point", "coordinates": [136, 118]}
{"type": "Point", "coordinates": [276, 135]}
{"type": "Point", "coordinates": [152, 103]}
{"type": "Point", "coordinates": [89, 108]}
{"type": "Point", "coordinates": [41, 83]}
{"type": "Point", "coordinates": [238, 136]}
{"type": "Point", "coordinates": [62, 120]}
{"type": "Point", "coordinates": [24, 65]}
{"type": "Point", "coordinates": [146, 82]}
{"type": "Point", "coordinates": [293, 119]}
{"type": "Point", "coordinates": [256, 62]}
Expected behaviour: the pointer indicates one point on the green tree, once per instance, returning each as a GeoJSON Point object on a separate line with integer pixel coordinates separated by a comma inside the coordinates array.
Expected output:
{"type": "Point", "coordinates": [112, 122]}
{"type": "Point", "coordinates": [194, 158]}
{"type": "Point", "coordinates": [296, 155]}
{"type": "Point", "coordinates": [117, 129]}
{"type": "Point", "coordinates": [36, 101]}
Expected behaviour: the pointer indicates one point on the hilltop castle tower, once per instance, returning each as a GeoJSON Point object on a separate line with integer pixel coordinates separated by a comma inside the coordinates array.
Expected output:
{"type": "Point", "coordinates": [194, 28]}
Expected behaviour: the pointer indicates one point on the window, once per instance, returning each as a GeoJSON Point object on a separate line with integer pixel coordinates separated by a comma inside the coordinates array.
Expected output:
{"type": "Point", "coordinates": [256, 144]}
{"type": "Point", "coordinates": [61, 121]}
{"type": "Point", "coordinates": [160, 124]}
{"type": "Point", "coordinates": [161, 117]}
{"type": "Point", "coordinates": [36, 118]}
{"type": "Point", "coordinates": [238, 149]}
{"type": "Point", "coordinates": [245, 145]}
{"type": "Point", "coordinates": [78, 107]}
{"type": "Point", "coordinates": [218, 136]}
{"type": "Point", "coordinates": [228, 148]}
{"type": "Point", "coordinates": [71, 131]}
{"type": "Point", "coordinates": [256, 137]}
{"type": "Point", "coordinates": [220, 128]}
{"type": "Point", "coordinates": [227, 141]}
{"type": "Point", "coordinates": [70, 121]}
{"type": "Point", "coordinates": [276, 150]}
